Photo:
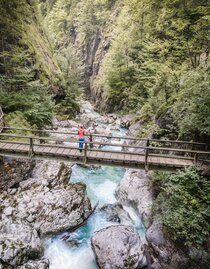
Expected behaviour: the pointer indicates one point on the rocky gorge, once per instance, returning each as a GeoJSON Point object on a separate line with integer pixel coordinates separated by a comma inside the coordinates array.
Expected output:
{"type": "Point", "coordinates": [40, 205]}
{"type": "Point", "coordinates": [42, 200]}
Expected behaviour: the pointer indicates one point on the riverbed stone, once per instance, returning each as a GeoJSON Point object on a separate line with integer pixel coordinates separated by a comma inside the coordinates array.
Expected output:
{"type": "Point", "coordinates": [116, 213]}
{"type": "Point", "coordinates": [8, 211]}
{"type": "Point", "coordinates": [17, 243]}
{"type": "Point", "coordinates": [52, 210]}
{"type": "Point", "coordinates": [127, 120]}
{"type": "Point", "coordinates": [38, 264]}
{"type": "Point", "coordinates": [42, 205]}
{"type": "Point", "coordinates": [12, 172]}
{"type": "Point", "coordinates": [118, 247]}
{"type": "Point", "coordinates": [135, 189]}
{"type": "Point", "coordinates": [162, 247]}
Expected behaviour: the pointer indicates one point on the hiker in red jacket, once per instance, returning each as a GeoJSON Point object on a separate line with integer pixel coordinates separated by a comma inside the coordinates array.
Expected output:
{"type": "Point", "coordinates": [81, 134]}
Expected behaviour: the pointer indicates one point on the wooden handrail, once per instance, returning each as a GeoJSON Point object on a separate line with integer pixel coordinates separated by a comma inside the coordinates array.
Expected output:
{"type": "Point", "coordinates": [163, 149]}
{"type": "Point", "coordinates": [105, 144]}
{"type": "Point", "coordinates": [1, 119]}
{"type": "Point", "coordinates": [109, 136]}
{"type": "Point", "coordinates": [34, 149]}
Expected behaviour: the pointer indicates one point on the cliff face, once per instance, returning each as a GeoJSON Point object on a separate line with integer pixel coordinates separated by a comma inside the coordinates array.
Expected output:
{"type": "Point", "coordinates": [126, 55]}
{"type": "Point", "coordinates": [25, 53]}
{"type": "Point", "coordinates": [86, 27]}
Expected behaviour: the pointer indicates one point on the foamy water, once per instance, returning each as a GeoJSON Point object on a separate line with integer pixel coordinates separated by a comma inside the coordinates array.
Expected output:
{"type": "Point", "coordinates": [62, 256]}
{"type": "Point", "coordinates": [101, 183]}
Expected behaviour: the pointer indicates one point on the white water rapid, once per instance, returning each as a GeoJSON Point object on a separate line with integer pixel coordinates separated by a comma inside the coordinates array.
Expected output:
{"type": "Point", "coordinates": [101, 184]}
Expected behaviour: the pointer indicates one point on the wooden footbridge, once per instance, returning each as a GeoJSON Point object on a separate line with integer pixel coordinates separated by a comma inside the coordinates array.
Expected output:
{"type": "Point", "coordinates": [103, 150]}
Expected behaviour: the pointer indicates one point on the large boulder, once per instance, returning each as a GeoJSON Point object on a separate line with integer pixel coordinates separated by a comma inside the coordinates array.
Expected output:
{"type": "Point", "coordinates": [127, 120]}
{"type": "Point", "coordinates": [12, 172]}
{"type": "Point", "coordinates": [41, 205]}
{"type": "Point", "coordinates": [38, 264]}
{"type": "Point", "coordinates": [116, 213]}
{"type": "Point", "coordinates": [169, 256]}
{"type": "Point", "coordinates": [16, 250]}
{"type": "Point", "coordinates": [118, 247]}
{"type": "Point", "coordinates": [135, 189]}
{"type": "Point", "coordinates": [48, 210]}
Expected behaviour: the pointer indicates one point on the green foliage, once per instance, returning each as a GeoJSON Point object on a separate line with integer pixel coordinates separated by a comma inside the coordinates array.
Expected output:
{"type": "Point", "coordinates": [28, 69]}
{"type": "Point", "coordinates": [36, 106]}
{"type": "Point", "coordinates": [155, 46]}
{"type": "Point", "coordinates": [17, 120]}
{"type": "Point", "coordinates": [184, 207]}
{"type": "Point", "coordinates": [69, 106]}
{"type": "Point", "coordinates": [192, 109]}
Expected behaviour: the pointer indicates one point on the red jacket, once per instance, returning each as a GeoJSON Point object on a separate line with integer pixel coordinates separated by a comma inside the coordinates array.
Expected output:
{"type": "Point", "coordinates": [81, 133]}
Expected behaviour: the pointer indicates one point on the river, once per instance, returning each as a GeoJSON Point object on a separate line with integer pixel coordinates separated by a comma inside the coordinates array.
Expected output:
{"type": "Point", "coordinates": [101, 184]}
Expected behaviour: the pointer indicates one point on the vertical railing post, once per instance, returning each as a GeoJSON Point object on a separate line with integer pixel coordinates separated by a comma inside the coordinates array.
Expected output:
{"type": "Point", "coordinates": [85, 153]}
{"type": "Point", "coordinates": [195, 158]}
{"type": "Point", "coordinates": [2, 124]}
{"type": "Point", "coordinates": [91, 141]}
{"type": "Point", "coordinates": [31, 148]}
{"type": "Point", "coordinates": [146, 156]}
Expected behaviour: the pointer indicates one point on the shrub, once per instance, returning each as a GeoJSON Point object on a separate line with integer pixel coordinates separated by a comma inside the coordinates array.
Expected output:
{"type": "Point", "coordinates": [184, 207]}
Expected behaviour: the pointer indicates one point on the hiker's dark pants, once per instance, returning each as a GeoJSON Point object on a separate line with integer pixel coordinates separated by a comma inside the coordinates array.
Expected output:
{"type": "Point", "coordinates": [81, 140]}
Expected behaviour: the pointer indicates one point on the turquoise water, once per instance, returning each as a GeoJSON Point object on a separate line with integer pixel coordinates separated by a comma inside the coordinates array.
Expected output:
{"type": "Point", "coordinates": [101, 181]}
{"type": "Point", "coordinates": [101, 184]}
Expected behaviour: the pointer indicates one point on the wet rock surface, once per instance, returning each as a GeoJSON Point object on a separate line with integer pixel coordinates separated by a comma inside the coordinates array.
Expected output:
{"type": "Point", "coordinates": [116, 213]}
{"type": "Point", "coordinates": [118, 247]}
{"type": "Point", "coordinates": [43, 204]}
{"type": "Point", "coordinates": [39, 264]}
{"type": "Point", "coordinates": [135, 189]}
{"type": "Point", "coordinates": [171, 256]}
{"type": "Point", "coordinates": [12, 172]}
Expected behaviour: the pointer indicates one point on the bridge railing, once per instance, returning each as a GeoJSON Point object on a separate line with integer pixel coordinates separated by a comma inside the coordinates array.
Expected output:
{"type": "Point", "coordinates": [1, 119]}
{"type": "Point", "coordinates": [157, 143]}
{"type": "Point", "coordinates": [147, 150]}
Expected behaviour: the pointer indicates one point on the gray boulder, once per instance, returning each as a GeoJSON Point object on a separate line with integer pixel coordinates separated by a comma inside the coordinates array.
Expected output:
{"type": "Point", "coordinates": [134, 189]}
{"type": "Point", "coordinates": [168, 255]}
{"type": "Point", "coordinates": [116, 213]}
{"type": "Point", "coordinates": [38, 264]}
{"type": "Point", "coordinates": [12, 172]}
{"type": "Point", "coordinates": [46, 210]}
{"type": "Point", "coordinates": [15, 251]}
{"type": "Point", "coordinates": [18, 242]}
{"type": "Point", "coordinates": [118, 247]}
{"type": "Point", "coordinates": [41, 205]}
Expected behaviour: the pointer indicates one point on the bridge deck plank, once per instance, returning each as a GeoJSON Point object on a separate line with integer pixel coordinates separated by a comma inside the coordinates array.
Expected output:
{"type": "Point", "coordinates": [41, 149]}
{"type": "Point", "coordinates": [19, 148]}
{"type": "Point", "coordinates": [73, 152]}
{"type": "Point", "coordinates": [53, 150]}
{"type": "Point", "coordinates": [23, 148]}
{"type": "Point", "coordinates": [60, 151]}
{"type": "Point", "coordinates": [120, 158]}
{"type": "Point", "coordinates": [2, 144]}
{"type": "Point", "coordinates": [7, 146]}
{"type": "Point", "coordinates": [37, 148]}
{"type": "Point", "coordinates": [90, 154]}
{"type": "Point", "coordinates": [116, 156]}
{"type": "Point", "coordinates": [136, 158]}
{"type": "Point", "coordinates": [108, 155]}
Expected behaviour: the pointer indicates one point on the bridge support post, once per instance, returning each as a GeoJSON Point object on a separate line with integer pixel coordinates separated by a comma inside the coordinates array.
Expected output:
{"type": "Point", "coordinates": [146, 156]}
{"type": "Point", "coordinates": [85, 153]}
{"type": "Point", "coordinates": [31, 148]}
{"type": "Point", "coordinates": [2, 124]}
{"type": "Point", "coordinates": [91, 141]}
{"type": "Point", "coordinates": [195, 158]}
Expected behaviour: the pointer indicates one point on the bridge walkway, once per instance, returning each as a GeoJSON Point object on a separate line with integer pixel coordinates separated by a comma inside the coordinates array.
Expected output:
{"type": "Point", "coordinates": [135, 153]}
